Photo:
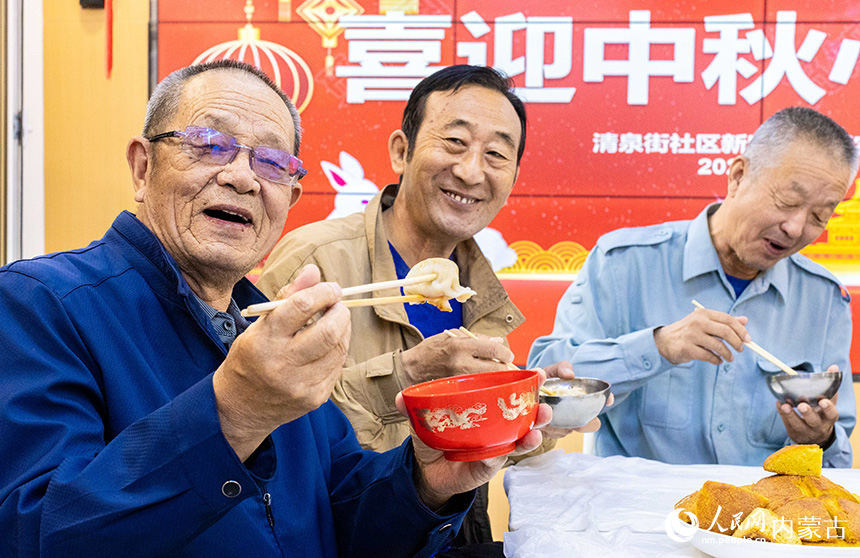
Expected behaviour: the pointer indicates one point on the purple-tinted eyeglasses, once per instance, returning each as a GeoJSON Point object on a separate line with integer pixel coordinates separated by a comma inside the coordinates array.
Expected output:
{"type": "Point", "coordinates": [216, 148]}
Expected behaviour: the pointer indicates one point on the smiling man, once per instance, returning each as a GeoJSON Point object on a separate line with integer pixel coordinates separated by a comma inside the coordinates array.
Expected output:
{"type": "Point", "coordinates": [686, 396]}
{"type": "Point", "coordinates": [143, 416]}
{"type": "Point", "coordinates": [457, 153]}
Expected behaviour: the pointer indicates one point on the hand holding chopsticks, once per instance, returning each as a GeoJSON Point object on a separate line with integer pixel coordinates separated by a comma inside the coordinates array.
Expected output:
{"type": "Point", "coordinates": [508, 365]}
{"type": "Point", "coordinates": [266, 307]}
{"type": "Point", "coordinates": [756, 348]}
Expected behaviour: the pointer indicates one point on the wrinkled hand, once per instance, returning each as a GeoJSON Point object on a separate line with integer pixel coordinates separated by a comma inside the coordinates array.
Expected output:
{"type": "Point", "coordinates": [564, 370]}
{"type": "Point", "coordinates": [702, 335]}
{"type": "Point", "coordinates": [282, 367]}
{"type": "Point", "coordinates": [811, 426]}
{"type": "Point", "coordinates": [438, 479]}
{"type": "Point", "coordinates": [442, 355]}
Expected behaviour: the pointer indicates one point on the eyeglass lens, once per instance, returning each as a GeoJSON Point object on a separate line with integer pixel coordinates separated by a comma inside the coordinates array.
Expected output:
{"type": "Point", "coordinates": [212, 146]}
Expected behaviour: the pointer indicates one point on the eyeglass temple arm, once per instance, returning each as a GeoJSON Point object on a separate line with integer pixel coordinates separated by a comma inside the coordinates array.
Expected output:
{"type": "Point", "coordinates": [157, 137]}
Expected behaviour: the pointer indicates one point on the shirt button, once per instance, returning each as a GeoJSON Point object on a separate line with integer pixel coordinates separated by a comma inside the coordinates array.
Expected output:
{"type": "Point", "coordinates": [509, 318]}
{"type": "Point", "coordinates": [444, 528]}
{"type": "Point", "coordinates": [721, 427]}
{"type": "Point", "coordinates": [646, 364]}
{"type": "Point", "coordinates": [727, 367]}
{"type": "Point", "coordinates": [228, 326]}
{"type": "Point", "coordinates": [231, 489]}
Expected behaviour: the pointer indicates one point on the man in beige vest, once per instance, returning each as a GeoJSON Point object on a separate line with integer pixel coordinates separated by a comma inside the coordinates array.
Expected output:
{"type": "Point", "coordinates": [457, 154]}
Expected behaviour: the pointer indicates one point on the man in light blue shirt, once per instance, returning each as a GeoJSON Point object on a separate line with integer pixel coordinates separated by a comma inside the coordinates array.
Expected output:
{"type": "Point", "coordinates": [687, 391]}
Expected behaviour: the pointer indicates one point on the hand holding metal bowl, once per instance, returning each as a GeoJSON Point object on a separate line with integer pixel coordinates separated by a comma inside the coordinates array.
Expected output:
{"type": "Point", "coordinates": [804, 387]}
{"type": "Point", "coordinates": [575, 401]}
{"type": "Point", "coordinates": [795, 387]}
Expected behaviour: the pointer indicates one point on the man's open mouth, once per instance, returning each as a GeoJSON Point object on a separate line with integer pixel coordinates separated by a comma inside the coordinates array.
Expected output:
{"type": "Point", "coordinates": [227, 215]}
{"type": "Point", "coordinates": [777, 247]}
{"type": "Point", "coordinates": [459, 198]}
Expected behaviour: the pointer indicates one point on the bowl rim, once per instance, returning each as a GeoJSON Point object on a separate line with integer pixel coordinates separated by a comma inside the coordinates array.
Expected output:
{"type": "Point", "coordinates": [408, 392]}
{"type": "Point", "coordinates": [801, 374]}
{"type": "Point", "coordinates": [600, 391]}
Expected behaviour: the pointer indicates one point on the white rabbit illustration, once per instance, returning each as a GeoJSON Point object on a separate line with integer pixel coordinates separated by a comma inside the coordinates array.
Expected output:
{"type": "Point", "coordinates": [493, 246]}
{"type": "Point", "coordinates": [353, 190]}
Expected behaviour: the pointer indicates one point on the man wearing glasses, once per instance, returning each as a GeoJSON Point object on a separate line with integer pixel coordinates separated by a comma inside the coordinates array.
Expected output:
{"type": "Point", "coordinates": [689, 391]}
{"type": "Point", "coordinates": [143, 416]}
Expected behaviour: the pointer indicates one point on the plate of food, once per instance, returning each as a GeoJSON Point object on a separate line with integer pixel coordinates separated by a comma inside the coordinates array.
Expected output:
{"type": "Point", "coordinates": [794, 512]}
{"type": "Point", "coordinates": [723, 546]}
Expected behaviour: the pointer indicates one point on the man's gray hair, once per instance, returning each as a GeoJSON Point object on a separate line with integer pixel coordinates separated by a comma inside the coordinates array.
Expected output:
{"type": "Point", "coordinates": [164, 101]}
{"type": "Point", "coordinates": [799, 123]}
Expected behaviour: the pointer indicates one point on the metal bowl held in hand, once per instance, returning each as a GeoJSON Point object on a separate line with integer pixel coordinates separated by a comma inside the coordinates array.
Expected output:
{"type": "Point", "coordinates": [804, 388]}
{"type": "Point", "coordinates": [574, 410]}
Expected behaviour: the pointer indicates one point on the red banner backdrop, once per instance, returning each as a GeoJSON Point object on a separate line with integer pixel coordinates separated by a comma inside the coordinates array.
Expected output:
{"type": "Point", "coordinates": [635, 108]}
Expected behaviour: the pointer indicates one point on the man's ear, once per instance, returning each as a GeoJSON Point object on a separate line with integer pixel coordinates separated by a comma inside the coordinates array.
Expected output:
{"type": "Point", "coordinates": [295, 194]}
{"type": "Point", "coordinates": [137, 155]}
{"type": "Point", "coordinates": [738, 170]}
{"type": "Point", "coordinates": [398, 145]}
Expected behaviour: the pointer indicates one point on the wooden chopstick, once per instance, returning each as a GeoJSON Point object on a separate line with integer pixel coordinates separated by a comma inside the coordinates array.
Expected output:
{"type": "Point", "coordinates": [783, 366]}
{"type": "Point", "coordinates": [266, 307]}
{"type": "Point", "coordinates": [758, 349]}
{"type": "Point", "coordinates": [357, 302]}
{"type": "Point", "coordinates": [370, 287]}
{"type": "Point", "coordinates": [261, 308]}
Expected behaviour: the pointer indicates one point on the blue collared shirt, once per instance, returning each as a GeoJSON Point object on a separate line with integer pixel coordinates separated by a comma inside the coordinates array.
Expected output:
{"type": "Point", "coordinates": [636, 280]}
{"type": "Point", "coordinates": [227, 324]}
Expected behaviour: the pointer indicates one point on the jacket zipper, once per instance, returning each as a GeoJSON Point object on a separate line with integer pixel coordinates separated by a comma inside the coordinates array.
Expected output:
{"type": "Point", "coordinates": [267, 501]}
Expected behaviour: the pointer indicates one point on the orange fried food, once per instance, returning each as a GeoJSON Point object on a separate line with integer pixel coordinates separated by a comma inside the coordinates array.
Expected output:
{"type": "Point", "coordinates": [851, 511]}
{"type": "Point", "coordinates": [780, 489]}
{"type": "Point", "coordinates": [822, 486]}
{"type": "Point", "coordinates": [722, 507]}
{"type": "Point", "coordinates": [795, 460]}
{"type": "Point", "coordinates": [688, 503]}
{"type": "Point", "coordinates": [846, 514]}
{"type": "Point", "coordinates": [763, 524]}
{"type": "Point", "coordinates": [795, 506]}
{"type": "Point", "coordinates": [809, 517]}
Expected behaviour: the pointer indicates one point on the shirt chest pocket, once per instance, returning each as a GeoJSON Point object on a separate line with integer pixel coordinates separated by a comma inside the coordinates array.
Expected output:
{"type": "Point", "coordinates": [667, 399]}
{"type": "Point", "coordinates": [764, 427]}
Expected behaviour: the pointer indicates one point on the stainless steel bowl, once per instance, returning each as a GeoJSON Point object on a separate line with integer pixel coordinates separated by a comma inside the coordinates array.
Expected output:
{"type": "Point", "coordinates": [574, 411]}
{"type": "Point", "coordinates": [804, 387]}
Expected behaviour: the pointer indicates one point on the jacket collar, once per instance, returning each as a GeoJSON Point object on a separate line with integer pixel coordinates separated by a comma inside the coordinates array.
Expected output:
{"type": "Point", "coordinates": [700, 257]}
{"type": "Point", "coordinates": [159, 268]}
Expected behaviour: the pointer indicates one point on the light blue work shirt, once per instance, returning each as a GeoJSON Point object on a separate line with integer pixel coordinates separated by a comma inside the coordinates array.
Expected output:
{"type": "Point", "coordinates": [638, 279]}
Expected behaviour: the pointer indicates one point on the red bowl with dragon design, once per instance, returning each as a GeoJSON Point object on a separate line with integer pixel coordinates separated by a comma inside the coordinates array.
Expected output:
{"type": "Point", "coordinates": [474, 416]}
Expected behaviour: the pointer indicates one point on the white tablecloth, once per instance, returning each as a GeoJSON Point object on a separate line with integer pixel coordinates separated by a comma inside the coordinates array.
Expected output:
{"type": "Point", "coordinates": [572, 504]}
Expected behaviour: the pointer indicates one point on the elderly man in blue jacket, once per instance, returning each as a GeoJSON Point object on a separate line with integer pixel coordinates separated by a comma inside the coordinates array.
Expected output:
{"type": "Point", "coordinates": [142, 415]}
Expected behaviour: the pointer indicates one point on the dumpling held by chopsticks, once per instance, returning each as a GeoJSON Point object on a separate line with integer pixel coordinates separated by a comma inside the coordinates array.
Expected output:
{"type": "Point", "coordinates": [445, 287]}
